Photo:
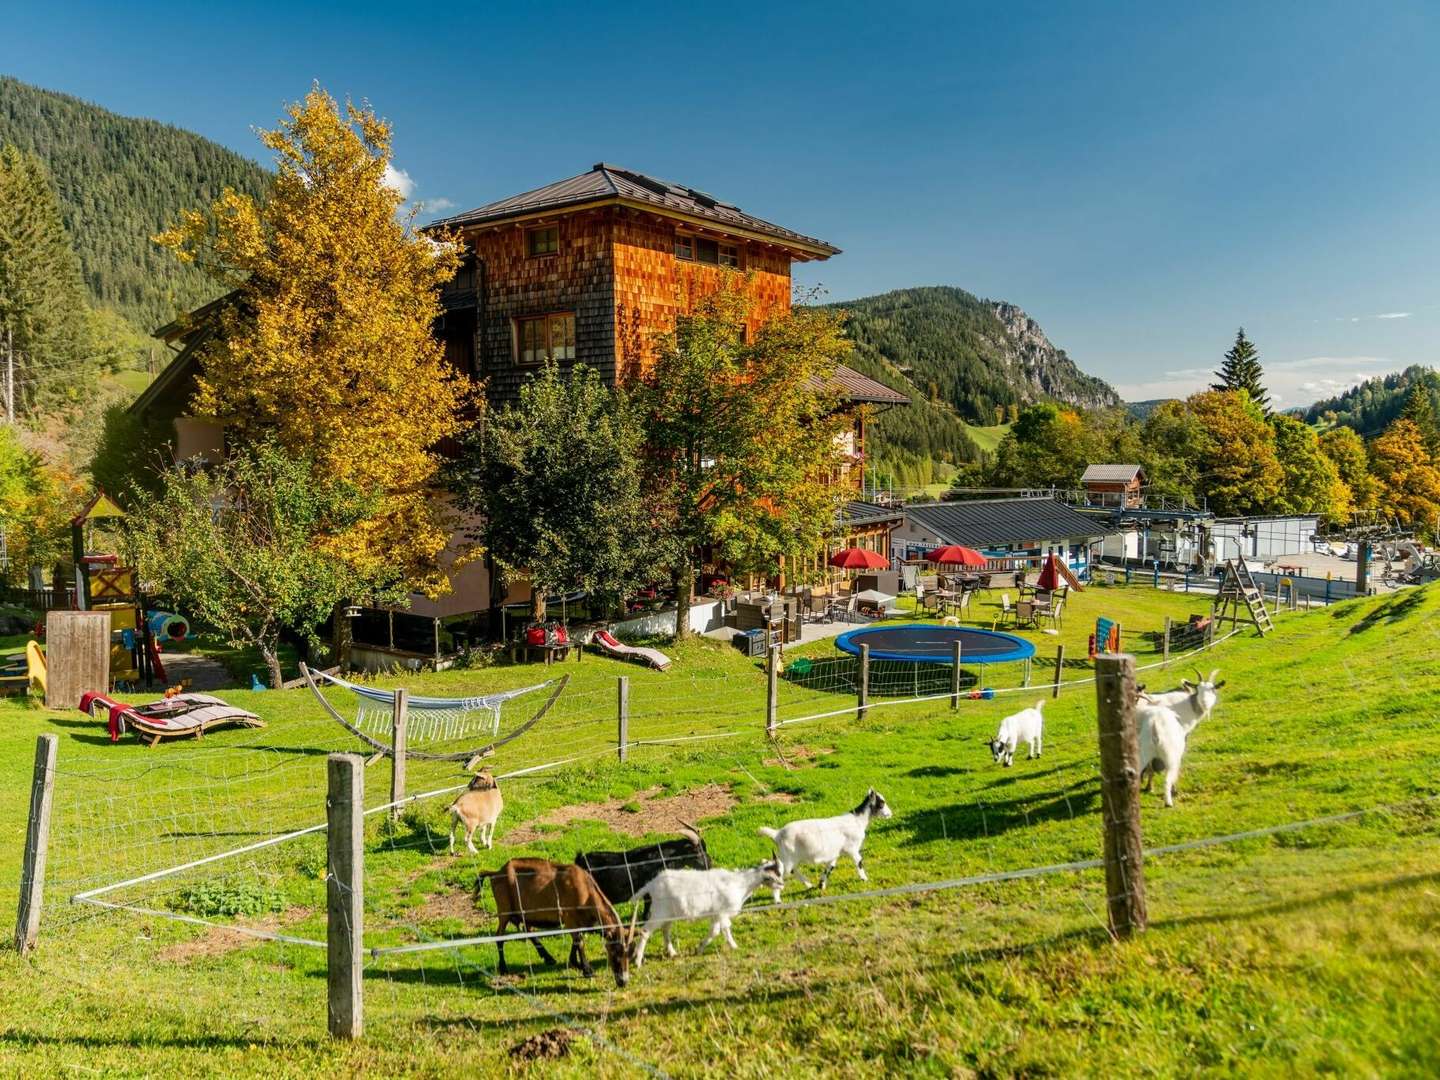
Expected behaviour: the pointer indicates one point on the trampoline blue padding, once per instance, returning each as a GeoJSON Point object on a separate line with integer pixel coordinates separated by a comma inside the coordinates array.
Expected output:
{"type": "Point", "coordinates": [925, 643]}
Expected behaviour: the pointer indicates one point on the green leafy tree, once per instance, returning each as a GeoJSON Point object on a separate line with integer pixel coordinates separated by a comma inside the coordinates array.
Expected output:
{"type": "Point", "coordinates": [1172, 439]}
{"type": "Point", "coordinates": [1239, 472]}
{"type": "Point", "coordinates": [1312, 483]}
{"type": "Point", "coordinates": [1241, 371]}
{"type": "Point", "coordinates": [36, 502]}
{"type": "Point", "coordinates": [555, 480]}
{"type": "Point", "coordinates": [250, 547]}
{"type": "Point", "coordinates": [741, 440]}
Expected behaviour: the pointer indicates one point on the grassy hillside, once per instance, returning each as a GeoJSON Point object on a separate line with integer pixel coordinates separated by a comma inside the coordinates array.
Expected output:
{"type": "Point", "coordinates": [1291, 953]}
{"type": "Point", "coordinates": [120, 181]}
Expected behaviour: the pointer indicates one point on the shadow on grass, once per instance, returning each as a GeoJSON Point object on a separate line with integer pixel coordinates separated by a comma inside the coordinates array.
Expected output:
{"type": "Point", "coordinates": [995, 818]}
{"type": "Point", "coordinates": [1391, 611]}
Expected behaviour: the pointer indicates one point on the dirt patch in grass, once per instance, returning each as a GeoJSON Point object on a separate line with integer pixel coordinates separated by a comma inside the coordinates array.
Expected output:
{"type": "Point", "coordinates": [798, 755]}
{"type": "Point", "coordinates": [643, 813]}
{"type": "Point", "coordinates": [219, 940]}
{"type": "Point", "coordinates": [779, 796]}
{"type": "Point", "coordinates": [456, 904]}
{"type": "Point", "coordinates": [554, 1043]}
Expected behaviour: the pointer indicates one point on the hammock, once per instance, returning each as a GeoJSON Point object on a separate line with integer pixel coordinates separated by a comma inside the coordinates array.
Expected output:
{"type": "Point", "coordinates": [434, 719]}
{"type": "Point", "coordinates": [386, 749]}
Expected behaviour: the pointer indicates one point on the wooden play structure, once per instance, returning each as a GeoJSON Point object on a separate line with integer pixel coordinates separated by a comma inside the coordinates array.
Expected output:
{"type": "Point", "coordinates": [1239, 599]}
{"type": "Point", "coordinates": [103, 585]}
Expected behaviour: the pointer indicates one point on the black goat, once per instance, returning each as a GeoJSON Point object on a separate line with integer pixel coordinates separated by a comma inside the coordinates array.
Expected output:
{"type": "Point", "coordinates": [621, 874]}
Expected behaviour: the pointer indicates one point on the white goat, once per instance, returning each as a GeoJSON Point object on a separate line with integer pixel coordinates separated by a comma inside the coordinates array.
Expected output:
{"type": "Point", "coordinates": [1164, 723]}
{"type": "Point", "coordinates": [677, 895]}
{"type": "Point", "coordinates": [1027, 726]}
{"type": "Point", "coordinates": [1193, 702]}
{"type": "Point", "coordinates": [821, 841]}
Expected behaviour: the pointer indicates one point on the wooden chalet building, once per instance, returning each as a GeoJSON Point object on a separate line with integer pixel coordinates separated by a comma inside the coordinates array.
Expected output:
{"type": "Point", "coordinates": [585, 270]}
{"type": "Point", "coordinates": [1113, 485]}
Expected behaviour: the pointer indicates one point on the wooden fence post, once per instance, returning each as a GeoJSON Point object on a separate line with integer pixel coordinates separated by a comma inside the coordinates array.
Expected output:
{"type": "Point", "coordinates": [344, 893]}
{"type": "Point", "coordinates": [1167, 639]}
{"type": "Point", "coordinates": [400, 740]}
{"type": "Point", "coordinates": [772, 690]}
{"type": "Point", "coordinates": [37, 844]}
{"type": "Point", "coordinates": [1120, 793]}
{"type": "Point", "coordinates": [955, 678]}
{"type": "Point", "coordinates": [863, 690]}
{"type": "Point", "coordinates": [1059, 665]}
{"type": "Point", "coordinates": [622, 714]}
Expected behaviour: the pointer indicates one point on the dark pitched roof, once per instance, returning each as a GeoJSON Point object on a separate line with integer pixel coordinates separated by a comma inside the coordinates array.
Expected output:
{"type": "Point", "coordinates": [853, 386]}
{"type": "Point", "coordinates": [612, 183]}
{"type": "Point", "coordinates": [863, 513]}
{"type": "Point", "coordinates": [1109, 474]}
{"type": "Point", "coordinates": [991, 522]}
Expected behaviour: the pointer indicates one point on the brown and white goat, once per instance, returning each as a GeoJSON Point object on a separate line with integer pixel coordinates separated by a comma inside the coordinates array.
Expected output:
{"type": "Point", "coordinates": [536, 894]}
{"type": "Point", "coordinates": [478, 807]}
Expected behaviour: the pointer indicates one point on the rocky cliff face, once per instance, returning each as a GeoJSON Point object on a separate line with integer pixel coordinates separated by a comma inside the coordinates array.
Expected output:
{"type": "Point", "coordinates": [1037, 369]}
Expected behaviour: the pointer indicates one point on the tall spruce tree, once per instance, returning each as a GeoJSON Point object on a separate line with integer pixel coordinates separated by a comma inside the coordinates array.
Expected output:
{"type": "Point", "coordinates": [42, 297]}
{"type": "Point", "coordinates": [1241, 371]}
{"type": "Point", "coordinates": [1420, 411]}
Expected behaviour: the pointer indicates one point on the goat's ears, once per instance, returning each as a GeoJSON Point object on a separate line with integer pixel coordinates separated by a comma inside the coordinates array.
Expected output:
{"type": "Point", "coordinates": [1219, 684]}
{"type": "Point", "coordinates": [1188, 685]}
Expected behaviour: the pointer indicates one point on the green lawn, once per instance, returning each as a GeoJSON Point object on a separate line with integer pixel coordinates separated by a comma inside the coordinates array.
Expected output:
{"type": "Point", "coordinates": [1300, 952]}
{"type": "Point", "coordinates": [987, 438]}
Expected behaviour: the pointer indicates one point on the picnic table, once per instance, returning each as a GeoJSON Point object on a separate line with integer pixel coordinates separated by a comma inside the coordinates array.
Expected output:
{"type": "Point", "coordinates": [551, 650]}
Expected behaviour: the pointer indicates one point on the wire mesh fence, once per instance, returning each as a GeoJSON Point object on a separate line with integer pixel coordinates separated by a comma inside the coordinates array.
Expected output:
{"type": "Point", "coordinates": [211, 856]}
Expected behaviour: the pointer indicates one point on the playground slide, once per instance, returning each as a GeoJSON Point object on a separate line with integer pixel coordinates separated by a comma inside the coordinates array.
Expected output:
{"type": "Point", "coordinates": [609, 643]}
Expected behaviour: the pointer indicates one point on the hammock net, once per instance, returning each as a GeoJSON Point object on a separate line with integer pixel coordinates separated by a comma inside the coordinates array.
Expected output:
{"type": "Point", "coordinates": [432, 719]}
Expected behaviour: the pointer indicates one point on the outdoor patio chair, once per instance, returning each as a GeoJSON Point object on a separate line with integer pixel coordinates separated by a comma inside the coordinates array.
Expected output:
{"type": "Point", "coordinates": [1052, 613]}
{"type": "Point", "coordinates": [1007, 613]}
{"type": "Point", "coordinates": [1025, 613]}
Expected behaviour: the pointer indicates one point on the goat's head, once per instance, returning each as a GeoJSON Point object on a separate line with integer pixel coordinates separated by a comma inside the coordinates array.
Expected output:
{"type": "Point", "coordinates": [483, 780]}
{"type": "Point", "coordinates": [997, 748]}
{"type": "Point", "coordinates": [702, 855]}
{"type": "Point", "coordinates": [875, 804]}
{"type": "Point", "coordinates": [618, 950]}
{"type": "Point", "coordinates": [1204, 691]}
{"type": "Point", "coordinates": [771, 877]}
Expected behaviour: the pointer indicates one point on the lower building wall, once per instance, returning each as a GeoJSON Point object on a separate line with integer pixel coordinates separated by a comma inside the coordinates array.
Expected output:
{"type": "Point", "coordinates": [704, 616]}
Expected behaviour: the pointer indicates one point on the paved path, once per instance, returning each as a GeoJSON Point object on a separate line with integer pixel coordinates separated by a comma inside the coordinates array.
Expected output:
{"type": "Point", "coordinates": [204, 674]}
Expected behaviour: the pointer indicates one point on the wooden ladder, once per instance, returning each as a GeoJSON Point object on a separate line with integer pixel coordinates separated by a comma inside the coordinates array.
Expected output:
{"type": "Point", "coordinates": [1239, 586]}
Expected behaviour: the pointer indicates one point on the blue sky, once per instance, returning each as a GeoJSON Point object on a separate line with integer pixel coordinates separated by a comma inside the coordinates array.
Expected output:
{"type": "Point", "coordinates": [1142, 178]}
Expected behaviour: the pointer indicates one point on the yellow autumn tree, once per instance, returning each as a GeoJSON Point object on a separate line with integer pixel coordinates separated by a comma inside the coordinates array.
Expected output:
{"type": "Point", "coordinates": [1408, 476]}
{"type": "Point", "coordinates": [327, 348]}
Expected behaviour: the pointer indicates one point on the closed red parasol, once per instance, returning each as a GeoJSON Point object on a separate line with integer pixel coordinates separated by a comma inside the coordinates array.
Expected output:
{"type": "Point", "coordinates": [854, 558]}
{"type": "Point", "coordinates": [956, 555]}
{"type": "Point", "coordinates": [1053, 573]}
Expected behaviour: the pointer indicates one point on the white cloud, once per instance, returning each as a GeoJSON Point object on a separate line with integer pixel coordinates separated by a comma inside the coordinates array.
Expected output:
{"type": "Point", "coordinates": [1382, 315]}
{"type": "Point", "coordinates": [1290, 382]}
{"type": "Point", "coordinates": [399, 180]}
{"type": "Point", "coordinates": [435, 206]}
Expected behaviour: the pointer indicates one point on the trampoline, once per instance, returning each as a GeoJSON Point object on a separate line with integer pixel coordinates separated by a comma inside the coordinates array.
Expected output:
{"type": "Point", "coordinates": [926, 643]}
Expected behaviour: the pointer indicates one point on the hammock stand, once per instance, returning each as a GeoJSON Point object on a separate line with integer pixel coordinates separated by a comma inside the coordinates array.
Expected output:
{"type": "Point", "coordinates": [490, 702]}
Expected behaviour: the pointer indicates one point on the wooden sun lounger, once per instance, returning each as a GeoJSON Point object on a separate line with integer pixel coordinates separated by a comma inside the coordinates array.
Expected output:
{"type": "Point", "coordinates": [606, 642]}
{"type": "Point", "coordinates": [170, 718]}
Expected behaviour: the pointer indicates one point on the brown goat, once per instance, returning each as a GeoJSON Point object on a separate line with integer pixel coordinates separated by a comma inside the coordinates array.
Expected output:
{"type": "Point", "coordinates": [478, 807]}
{"type": "Point", "coordinates": [536, 894]}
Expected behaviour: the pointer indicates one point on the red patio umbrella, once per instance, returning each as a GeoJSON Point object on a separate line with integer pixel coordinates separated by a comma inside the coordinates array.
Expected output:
{"type": "Point", "coordinates": [854, 558]}
{"type": "Point", "coordinates": [1053, 572]}
{"type": "Point", "coordinates": [956, 555]}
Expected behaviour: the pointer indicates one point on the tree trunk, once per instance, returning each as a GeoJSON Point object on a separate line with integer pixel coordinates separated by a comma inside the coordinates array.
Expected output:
{"type": "Point", "coordinates": [272, 662]}
{"type": "Point", "coordinates": [684, 592]}
{"type": "Point", "coordinates": [340, 637]}
{"type": "Point", "coordinates": [537, 603]}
